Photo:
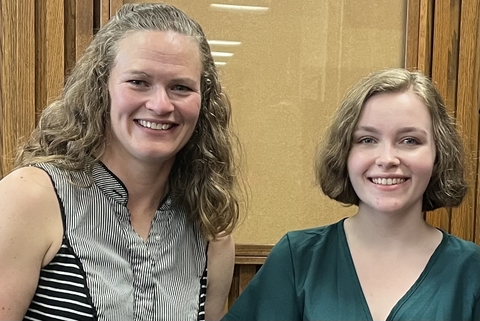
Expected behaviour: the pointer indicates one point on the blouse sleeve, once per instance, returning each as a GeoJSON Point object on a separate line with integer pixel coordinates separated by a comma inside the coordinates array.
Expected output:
{"type": "Point", "coordinates": [271, 294]}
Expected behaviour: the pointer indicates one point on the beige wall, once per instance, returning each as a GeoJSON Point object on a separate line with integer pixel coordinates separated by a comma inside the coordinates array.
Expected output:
{"type": "Point", "coordinates": [285, 79]}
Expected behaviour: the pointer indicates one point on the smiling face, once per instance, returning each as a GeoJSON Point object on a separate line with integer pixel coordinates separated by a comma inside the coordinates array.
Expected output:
{"type": "Point", "coordinates": [155, 96]}
{"type": "Point", "coordinates": [392, 154]}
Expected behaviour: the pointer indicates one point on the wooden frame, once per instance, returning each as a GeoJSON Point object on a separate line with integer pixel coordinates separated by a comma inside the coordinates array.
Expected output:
{"type": "Point", "coordinates": [443, 42]}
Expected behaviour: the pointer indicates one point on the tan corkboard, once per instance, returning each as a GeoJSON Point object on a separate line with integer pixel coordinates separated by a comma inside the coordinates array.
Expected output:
{"type": "Point", "coordinates": [293, 65]}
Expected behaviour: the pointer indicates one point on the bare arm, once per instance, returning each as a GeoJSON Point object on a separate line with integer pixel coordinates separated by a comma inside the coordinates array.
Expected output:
{"type": "Point", "coordinates": [221, 261]}
{"type": "Point", "coordinates": [30, 235]}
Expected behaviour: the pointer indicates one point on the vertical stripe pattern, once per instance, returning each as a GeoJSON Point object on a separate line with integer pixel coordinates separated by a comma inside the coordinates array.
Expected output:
{"type": "Point", "coordinates": [162, 278]}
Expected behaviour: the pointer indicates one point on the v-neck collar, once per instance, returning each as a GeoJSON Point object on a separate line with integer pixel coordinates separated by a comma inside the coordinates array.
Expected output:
{"type": "Point", "coordinates": [115, 189]}
{"type": "Point", "coordinates": [358, 288]}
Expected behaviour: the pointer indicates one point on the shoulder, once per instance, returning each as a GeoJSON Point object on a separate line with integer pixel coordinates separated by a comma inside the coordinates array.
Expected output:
{"type": "Point", "coordinates": [461, 248]}
{"type": "Point", "coordinates": [460, 259]}
{"type": "Point", "coordinates": [300, 246]}
{"type": "Point", "coordinates": [31, 234]}
{"type": "Point", "coordinates": [314, 238]}
{"type": "Point", "coordinates": [31, 182]}
{"type": "Point", "coordinates": [28, 199]}
{"type": "Point", "coordinates": [29, 203]}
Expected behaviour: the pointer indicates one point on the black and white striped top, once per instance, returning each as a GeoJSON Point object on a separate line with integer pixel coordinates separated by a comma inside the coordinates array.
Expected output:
{"type": "Point", "coordinates": [106, 271]}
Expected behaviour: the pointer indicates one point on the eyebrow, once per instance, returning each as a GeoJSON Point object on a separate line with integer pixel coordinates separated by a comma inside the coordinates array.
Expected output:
{"type": "Point", "coordinates": [404, 130]}
{"type": "Point", "coordinates": [134, 72]}
{"type": "Point", "coordinates": [186, 80]}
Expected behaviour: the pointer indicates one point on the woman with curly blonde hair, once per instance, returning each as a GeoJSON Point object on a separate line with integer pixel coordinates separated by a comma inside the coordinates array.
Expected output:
{"type": "Point", "coordinates": [125, 194]}
{"type": "Point", "coordinates": [392, 151]}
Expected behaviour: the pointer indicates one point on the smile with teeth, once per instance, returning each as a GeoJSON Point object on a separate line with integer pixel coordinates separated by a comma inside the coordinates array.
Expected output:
{"type": "Point", "coordinates": [388, 181]}
{"type": "Point", "coordinates": [152, 125]}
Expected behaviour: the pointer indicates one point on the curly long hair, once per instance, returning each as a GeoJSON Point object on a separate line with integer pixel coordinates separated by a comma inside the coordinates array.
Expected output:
{"type": "Point", "coordinates": [447, 186]}
{"type": "Point", "coordinates": [72, 130]}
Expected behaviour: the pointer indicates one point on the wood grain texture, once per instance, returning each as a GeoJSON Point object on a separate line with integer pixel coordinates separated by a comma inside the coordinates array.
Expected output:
{"type": "Point", "coordinates": [25, 91]}
{"type": "Point", "coordinates": [477, 187]}
{"type": "Point", "coordinates": [412, 37]}
{"type": "Point", "coordinates": [251, 254]}
{"type": "Point", "coordinates": [50, 57]}
{"type": "Point", "coordinates": [17, 76]}
{"type": "Point", "coordinates": [8, 52]}
{"type": "Point", "coordinates": [477, 85]}
{"type": "Point", "coordinates": [40, 56]}
{"type": "Point", "coordinates": [445, 48]}
{"type": "Point", "coordinates": [3, 75]}
{"type": "Point", "coordinates": [78, 30]}
{"type": "Point", "coordinates": [83, 26]}
{"type": "Point", "coordinates": [463, 217]}
{"type": "Point", "coordinates": [55, 16]}
{"type": "Point", "coordinates": [425, 36]}
{"type": "Point", "coordinates": [255, 250]}
{"type": "Point", "coordinates": [69, 29]}
{"type": "Point", "coordinates": [452, 60]}
{"type": "Point", "coordinates": [440, 218]}
{"type": "Point", "coordinates": [9, 82]}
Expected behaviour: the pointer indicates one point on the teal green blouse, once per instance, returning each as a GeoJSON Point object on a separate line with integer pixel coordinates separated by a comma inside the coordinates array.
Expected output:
{"type": "Point", "coordinates": [310, 275]}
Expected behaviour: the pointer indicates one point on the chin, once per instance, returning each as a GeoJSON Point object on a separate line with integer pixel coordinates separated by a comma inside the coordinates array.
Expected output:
{"type": "Point", "coordinates": [154, 156]}
{"type": "Point", "coordinates": [393, 208]}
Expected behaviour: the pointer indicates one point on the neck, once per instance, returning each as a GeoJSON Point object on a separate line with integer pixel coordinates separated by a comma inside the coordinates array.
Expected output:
{"type": "Point", "coordinates": [147, 184]}
{"type": "Point", "coordinates": [389, 230]}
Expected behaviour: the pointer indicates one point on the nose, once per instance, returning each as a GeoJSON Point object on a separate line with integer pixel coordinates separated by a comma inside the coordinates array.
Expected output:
{"type": "Point", "coordinates": [387, 156]}
{"type": "Point", "coordinates": [159, 101]}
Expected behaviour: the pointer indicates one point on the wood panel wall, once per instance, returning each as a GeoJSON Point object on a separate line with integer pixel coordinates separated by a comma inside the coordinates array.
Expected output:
{"type": "Point", "coordinates": [40, 42]}
{"type": "Point", "coordinates": [443, 42]}
{"type": "Point", "coordinates": [17, 78]}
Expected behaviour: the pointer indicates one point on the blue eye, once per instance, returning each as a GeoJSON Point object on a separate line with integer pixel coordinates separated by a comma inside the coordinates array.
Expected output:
{"type": "Point", "coordinates": [366, 140]}
{"type": "Point", "coordinates": [410, 141]}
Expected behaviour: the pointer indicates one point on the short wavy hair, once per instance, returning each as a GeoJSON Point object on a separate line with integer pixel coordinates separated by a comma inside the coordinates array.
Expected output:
{"type": "Point", "coordinates": [72, 130]}
{"type": "Point", "coordinates": [447, 186]}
